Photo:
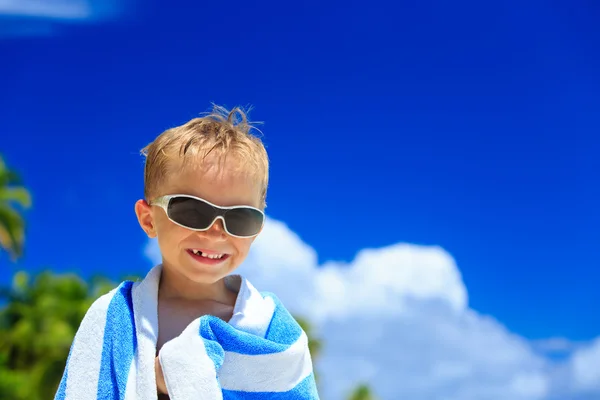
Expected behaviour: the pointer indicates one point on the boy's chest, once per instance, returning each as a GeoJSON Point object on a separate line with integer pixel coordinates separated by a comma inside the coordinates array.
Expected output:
{"type": "Point", "coordinates": [175, 315]}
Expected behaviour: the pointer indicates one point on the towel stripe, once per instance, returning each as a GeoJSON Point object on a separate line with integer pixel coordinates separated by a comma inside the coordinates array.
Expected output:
{"type": "Point", "coordinates": [252, 313]}
{"type": "Point", "coordinates": [131, 391]}
{"type": "Point", "coordinates": [280, 334]}
{"type": "Point", "coordinates": [119, 345]}
{"type": "Point", "coordinates": [305, 390]}
{"type": "Point", "coordinates": [276, 372]}
{"type": "Point", "coordinates": [283, 328]}
{"type": "Point", "coordinates": [188, 366]}
{"type": "Point", "coordinates": [145, 305]}
{"type": "Point", "coordinates": [232, 340]}
{"type": "Point", "coordinates": [81, 372]}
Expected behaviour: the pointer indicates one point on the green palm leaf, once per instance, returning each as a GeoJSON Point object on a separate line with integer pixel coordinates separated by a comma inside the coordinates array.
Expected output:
{"type": "Point", "coordinates": [39, 317]}
{"type": "Point", "coordinates": [362, 392]}
{"type": "Point", "coordinates": [18, 195]}
{"type": "Point", "coordinates": [12, 231]}
{"type": "Point", "coordinates": [12, 197]}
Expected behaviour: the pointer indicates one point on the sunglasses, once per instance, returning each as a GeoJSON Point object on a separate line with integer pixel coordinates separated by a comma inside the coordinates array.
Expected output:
{"type": "Point", "coordinates": [199, 215]}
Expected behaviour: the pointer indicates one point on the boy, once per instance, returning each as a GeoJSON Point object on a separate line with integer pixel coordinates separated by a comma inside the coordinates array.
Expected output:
{"type": "Point", "coordinates": [201, 332]}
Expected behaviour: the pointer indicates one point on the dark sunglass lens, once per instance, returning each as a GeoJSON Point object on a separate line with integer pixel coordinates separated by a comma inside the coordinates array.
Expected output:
{"type": "Point", "coordinates": [243, 221]}
{"type": "Point", "coordinates": [192, 213]}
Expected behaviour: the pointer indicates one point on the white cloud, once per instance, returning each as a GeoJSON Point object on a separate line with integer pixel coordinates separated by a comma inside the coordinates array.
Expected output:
{"type": "Point", "coordinates": [42, 17]}
{"type": "Point", "coordinates": [152, 252]}
{"type": "Point", "coordinates": [585, 368]}
{"type": "Point", "coordinates": [58, 9]}
{"type": "Point", "coordinates": [398, 318]}
{"type": "Point", "coordinates": [556, 345]}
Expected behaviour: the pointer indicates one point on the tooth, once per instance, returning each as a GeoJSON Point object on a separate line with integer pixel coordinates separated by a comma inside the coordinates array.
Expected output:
{"type": "Point", "coordinates": [214, 256]}
{"type": "Point", "coordinates": [211, 256]}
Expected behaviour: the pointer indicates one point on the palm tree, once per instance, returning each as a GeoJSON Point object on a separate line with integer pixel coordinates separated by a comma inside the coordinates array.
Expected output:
{"type": "Point", "coordinates": [362, 392]}
{"type": "Point", "coordinates": [12, 225]}
{"type": "Point", "coordinates": [37, 325]}
{"type": "Point", "coordinates": [314, 344]}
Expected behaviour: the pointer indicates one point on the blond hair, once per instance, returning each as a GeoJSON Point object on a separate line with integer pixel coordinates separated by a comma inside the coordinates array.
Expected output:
{"type": "Point", "coordinates": [221, 133]}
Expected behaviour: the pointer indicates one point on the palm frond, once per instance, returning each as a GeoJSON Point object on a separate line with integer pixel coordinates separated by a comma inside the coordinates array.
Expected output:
{"type": "Point", "coordinates": [12, 231]}
{"type": "Point", "coordinates": [8, 176]}
{"type": "Point", "coordinates": [17, 194]}
{"type": "Point", "coordinates": [13, 196]}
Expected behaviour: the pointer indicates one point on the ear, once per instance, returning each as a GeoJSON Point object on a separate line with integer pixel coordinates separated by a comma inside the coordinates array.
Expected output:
{"type": "Point", "coordinates": [145, 217]}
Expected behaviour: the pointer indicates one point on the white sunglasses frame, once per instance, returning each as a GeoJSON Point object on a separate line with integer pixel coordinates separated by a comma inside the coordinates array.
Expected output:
{"type": "Point", "coordinates": [163, 202]}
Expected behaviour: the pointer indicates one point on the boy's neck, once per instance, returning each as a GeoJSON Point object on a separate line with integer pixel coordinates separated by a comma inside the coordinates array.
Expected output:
{"type": "Point", "coordinates": [175, 286]}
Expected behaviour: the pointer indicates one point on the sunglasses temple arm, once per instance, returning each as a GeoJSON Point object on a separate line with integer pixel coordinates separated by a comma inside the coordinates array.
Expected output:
{"type": "Point", "coordinates": [161, 202]}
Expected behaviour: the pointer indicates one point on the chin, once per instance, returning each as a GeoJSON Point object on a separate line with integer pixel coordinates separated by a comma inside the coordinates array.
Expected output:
{"type": "Point", "coordinates": [206, 275]}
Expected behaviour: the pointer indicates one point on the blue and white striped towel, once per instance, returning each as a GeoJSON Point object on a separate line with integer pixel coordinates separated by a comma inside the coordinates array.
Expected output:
{"type": "Point", "coordinates": [261, 353]}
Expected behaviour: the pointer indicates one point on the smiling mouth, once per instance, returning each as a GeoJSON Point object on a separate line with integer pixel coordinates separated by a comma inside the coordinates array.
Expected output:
{"type": "Point", "coordinates": [213, 256]}
{"type": "Point", "coordinates": [207, 257]}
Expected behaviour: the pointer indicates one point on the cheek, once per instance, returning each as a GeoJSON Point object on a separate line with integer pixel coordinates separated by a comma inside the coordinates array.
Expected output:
{"type": "Point", "coordinates": [168, 231]}
{"type": "Point", "coordinates": [242, 245]}
{"type": "Point", "coordinates": [163, 228]}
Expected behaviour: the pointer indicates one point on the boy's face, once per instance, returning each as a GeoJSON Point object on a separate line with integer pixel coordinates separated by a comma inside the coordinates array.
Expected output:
{"type": "Point", "coordinates": [220, 186]}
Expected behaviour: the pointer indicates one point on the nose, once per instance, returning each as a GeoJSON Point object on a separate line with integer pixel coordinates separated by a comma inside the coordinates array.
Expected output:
{"type": "Point", "coordinates": [216, 230]}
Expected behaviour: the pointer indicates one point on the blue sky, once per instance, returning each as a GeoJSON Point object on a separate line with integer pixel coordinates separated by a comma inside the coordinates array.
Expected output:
{"type": "Point", "coordinates": [469, 126]}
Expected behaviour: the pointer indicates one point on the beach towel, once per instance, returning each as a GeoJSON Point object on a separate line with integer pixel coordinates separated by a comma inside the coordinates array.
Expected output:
{"type": "Point", "coordinates": [261, 353]}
